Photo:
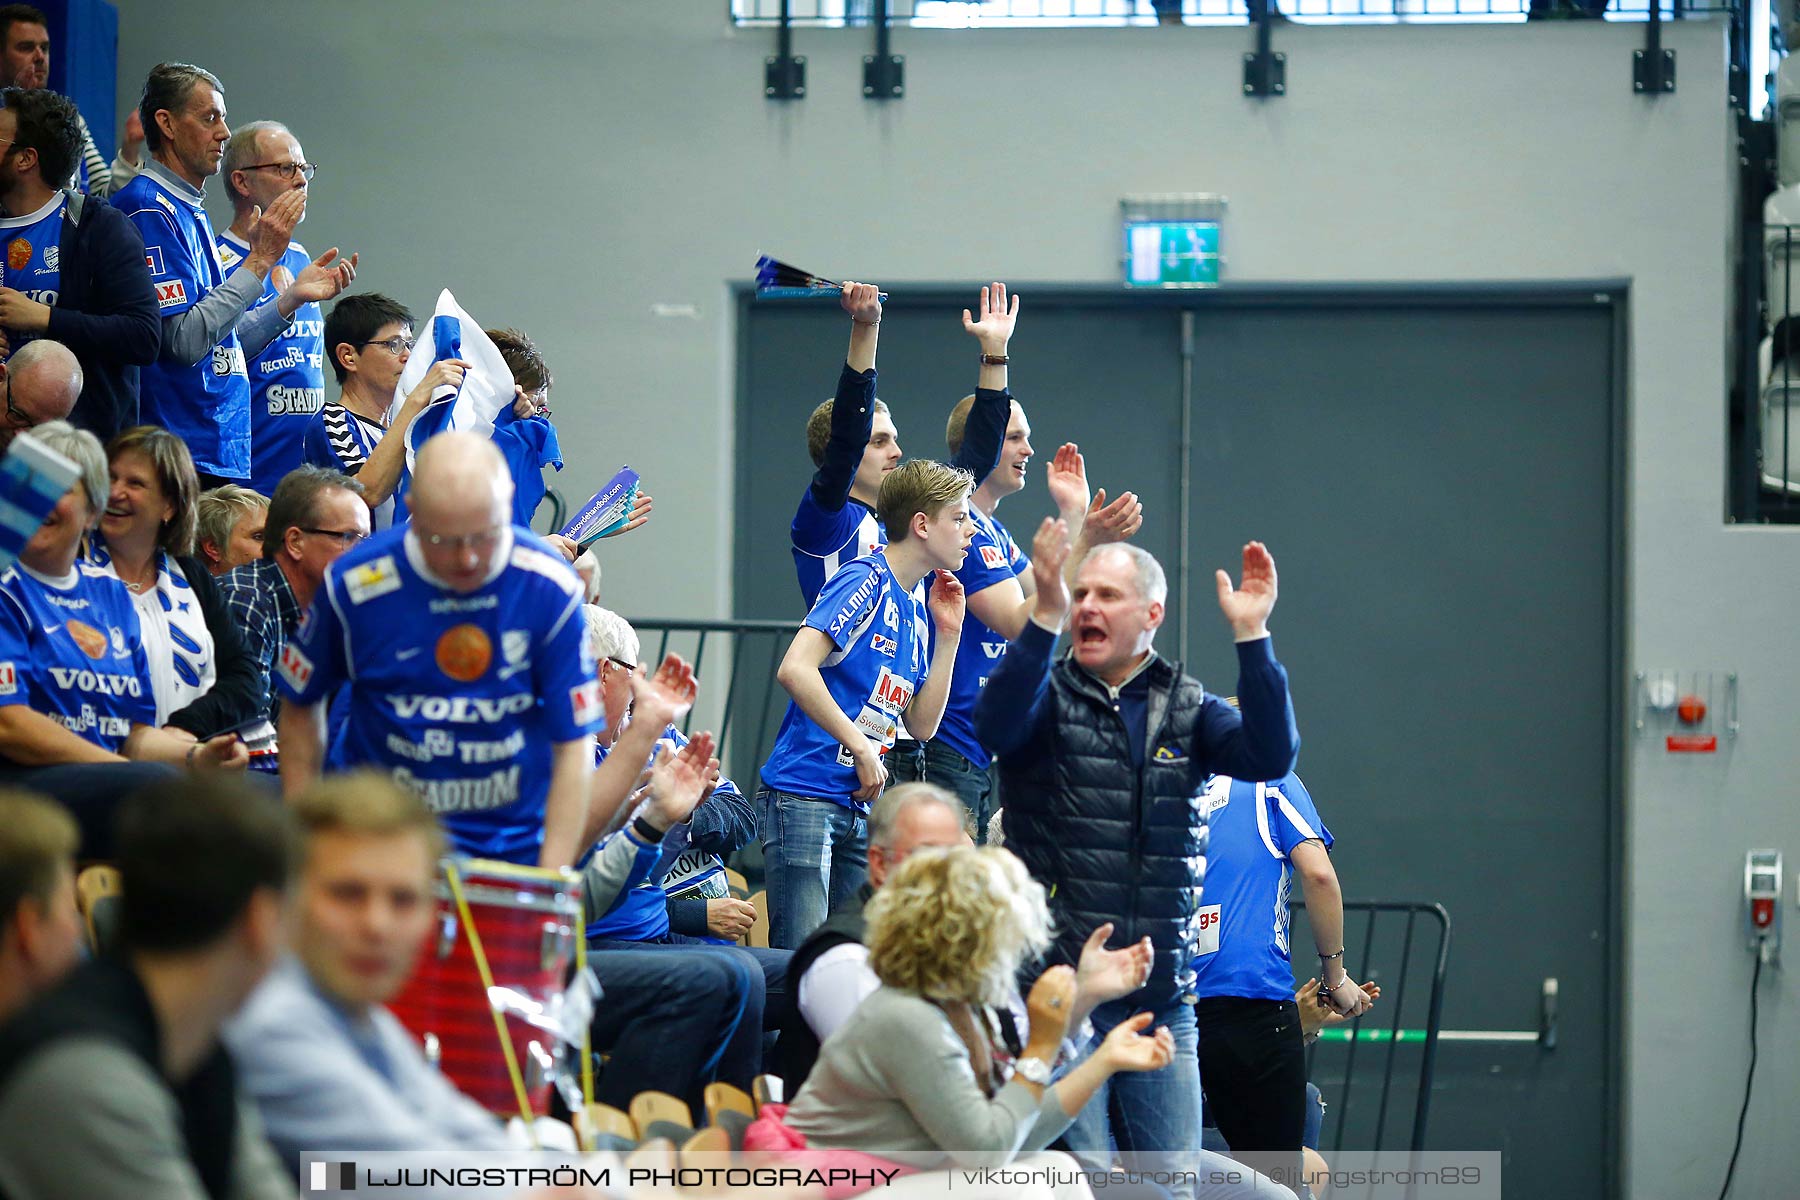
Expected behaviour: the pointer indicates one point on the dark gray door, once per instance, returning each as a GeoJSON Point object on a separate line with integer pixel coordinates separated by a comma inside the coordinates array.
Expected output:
{"type": "Point", "coordinates": [1436, 476]}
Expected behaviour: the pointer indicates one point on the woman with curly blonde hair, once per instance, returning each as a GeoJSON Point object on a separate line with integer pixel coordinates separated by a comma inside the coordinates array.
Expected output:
{"type": "Point", "coordinates": [919, 1072]}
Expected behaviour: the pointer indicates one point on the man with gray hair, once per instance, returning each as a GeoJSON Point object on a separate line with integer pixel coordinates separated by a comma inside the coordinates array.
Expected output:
{"type": "Point", "coordinates": [197, 387]}
{"type": "Point", "coordinates": [263, 163]}
{"type": "Point", "coordinates": [1101, 753]}
{"type": "Point", "coordinates": [39, 384]}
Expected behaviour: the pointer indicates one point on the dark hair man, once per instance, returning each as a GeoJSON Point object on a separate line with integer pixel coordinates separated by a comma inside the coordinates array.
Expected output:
{"type": "Point", "coordinates": [74, 268]}
{"type": "Point", "coordinates": [114, 1083]}
{"type": "Point", "coordinates": [313, 518]}
{"type": "Point", "coordinates": [25, 64]}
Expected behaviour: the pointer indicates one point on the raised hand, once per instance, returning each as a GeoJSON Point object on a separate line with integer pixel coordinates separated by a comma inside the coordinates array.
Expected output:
{"type": "Point", "coordinates": [666, 695]}
{"type": "Point", "coordinates": [678, 780]}
{"type": "Point", "coordinates": [1049, 551]}
{"type": "Point", "coordinates": [563, 546]}
{"type": "Point", "coordinates": [446, 372]}
{"type": "Point", "coordinates": [1051, 1001]}
{"type": "Point", "coordinates": [1126, 1049]}
{"type": "Point", "coordinates": [946, 603]}
{"type": "Point", "coordinates": [272, 229]}
{"type": "Point", "coordinates": [1102, 975]}
{"type": "Point", "coordinates": [1115, 522]}
{"type": "Point", "coordinates": [640, 512]}
{"type": "Point", "coordinates": [862, 301]}
{"type": "Point", "coordinates": [1068, 482]}
{"type": "Point", "coordinates": [1247, 606]}
{"type": "Point", "coordinates": [324, 277]}
{"type": "Point", "coordinates": [995, 327]}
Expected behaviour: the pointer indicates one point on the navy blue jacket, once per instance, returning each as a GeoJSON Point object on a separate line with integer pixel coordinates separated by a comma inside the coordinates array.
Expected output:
{"type": "Point", "coordinates": [105, 313]}
{"type": "Point", "coordinates": [1114, 831]}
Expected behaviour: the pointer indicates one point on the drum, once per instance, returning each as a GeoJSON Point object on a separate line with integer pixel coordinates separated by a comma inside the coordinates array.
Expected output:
{"type": "Point", "coordinates": [526, 919]}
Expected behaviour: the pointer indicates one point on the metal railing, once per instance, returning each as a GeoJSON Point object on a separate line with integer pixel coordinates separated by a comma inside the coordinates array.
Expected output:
{"type": "Point", "coordinates": [1393, 1050]}
{"type": "Point", "coordinates": [739, 700]}
{"type": "Point", "coordinates": [1025, 14]}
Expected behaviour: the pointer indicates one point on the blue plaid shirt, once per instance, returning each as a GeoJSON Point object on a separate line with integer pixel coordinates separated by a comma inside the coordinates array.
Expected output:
{"type": "Point", "coordinates": [262, 603]}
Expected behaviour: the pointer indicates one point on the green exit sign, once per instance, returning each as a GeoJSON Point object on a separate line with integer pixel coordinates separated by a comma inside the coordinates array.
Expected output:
{"type": "Point", "coordinates": [1172, 253]}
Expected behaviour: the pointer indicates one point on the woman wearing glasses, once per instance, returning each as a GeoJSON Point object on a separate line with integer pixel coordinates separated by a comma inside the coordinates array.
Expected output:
{"type": "Point", "coordinates": [78, 711]}
{"type": "Point", "coordinates": [201, 679]}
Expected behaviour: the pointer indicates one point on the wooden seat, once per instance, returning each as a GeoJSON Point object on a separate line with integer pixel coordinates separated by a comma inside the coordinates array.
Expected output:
{"type": "Point", "coordinates": [722, 1097]}
{"type": "Point", "coordinates": [740, 887]}
{"type": "Point", "coordinates": [650, 1107]}
{"type": "Point", "coordinates": [767, 1089]}
{"type": "Point", "coordinates": [97, 890]}
{"type": "Point", "coordinates": [709, 1141]}
{"type": "Point", "coordinates": [657, 1154]}
{"type": "Point", "coordinates": [603, 1127]}
{"type": "Point", "coordinates": [759, 929]}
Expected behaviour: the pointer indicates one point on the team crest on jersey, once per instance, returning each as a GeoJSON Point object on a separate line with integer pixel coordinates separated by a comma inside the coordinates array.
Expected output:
{"type": "Point", "coordinates": [91, 640]}
{"type": "Point", "coordinates": [992, 557]}
{"type": "Point", "coordinates": [464, 652]}
{"type": "Point", "coordinates": [585, 703]}
{"type": "Point", "coordinates": [52, 257]}
{"type": "Point", "coordinates": [376, 577]}
{"type": "Point", "coordinates": [886, 645]}
{"type": "Point", "coordinates": [515, 647]}
{"type": "Point", "coordinates": [169, 294]}
{"type": "Point", "coordinates": [118, 639]}
{"type": "Point", "coordinates": [18, 254]}
{"type": "Point", "coordinates": [154, 260]}
{"type": "Point", "coordinates": [295, 667]}
{"type": "Point", "coordinates": [9, 679]}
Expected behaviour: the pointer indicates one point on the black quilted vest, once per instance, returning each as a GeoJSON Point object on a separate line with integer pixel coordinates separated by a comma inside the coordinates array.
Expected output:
{"type": "Point", "coordinates": [1108, 842]}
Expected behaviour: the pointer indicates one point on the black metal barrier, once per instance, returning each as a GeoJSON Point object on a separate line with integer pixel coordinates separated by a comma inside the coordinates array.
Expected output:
{"type": "Point", "coordinates": [1376, 1073]}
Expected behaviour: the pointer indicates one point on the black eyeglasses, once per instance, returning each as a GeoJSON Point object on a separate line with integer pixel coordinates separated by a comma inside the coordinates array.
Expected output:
{"type": "Point", "coordinates": [345, 537]}
{"type": "Point", "coordinates": [17, 417]}
{"type": "Point", "coordinates": [285, 170]}
{"type": "Point", "coordinates": [627, 667]}
{"type": "Point", "coordinates": [400, 343]}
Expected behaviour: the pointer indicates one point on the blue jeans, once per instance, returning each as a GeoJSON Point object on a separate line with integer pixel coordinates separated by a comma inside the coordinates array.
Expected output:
{"type": "Point", "coordinates": [947, 768]}
{"type": "Point", "coordinates": [816, 855]}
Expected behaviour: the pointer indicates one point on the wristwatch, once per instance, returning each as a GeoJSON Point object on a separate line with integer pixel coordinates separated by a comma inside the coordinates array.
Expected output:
{"type": "Point", "coordinates": [1032, 1070]}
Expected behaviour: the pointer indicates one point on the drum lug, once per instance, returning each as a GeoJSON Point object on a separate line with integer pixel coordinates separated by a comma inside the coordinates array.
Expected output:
{"type": "Point", "coordinates": [555, 945]}
{"type": "Point", "coordinates": [446, 940]}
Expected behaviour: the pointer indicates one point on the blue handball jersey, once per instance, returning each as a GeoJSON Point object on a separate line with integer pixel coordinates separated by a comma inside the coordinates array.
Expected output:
{"type": "Point", "coordinates": [287, 380]}
{"type": "Point", "coordinates": [1245, 914]}
{"type": "Point", "coordinates": [33, 254]}
{"type": "Point", "coordinates": [993, 558]}
{"type": "Point", "coordinates": [70, 649]}
{"type": "Point", "coordinates": [341, 440]}
{"type": "Point", "coordinates": [824, 542]}
{"type": "Point", "coordinates": [460, 695]}
{"type": "Point", "coordinates": [206, 405]}
{"type": "Point", "coordinates": [881, 657]}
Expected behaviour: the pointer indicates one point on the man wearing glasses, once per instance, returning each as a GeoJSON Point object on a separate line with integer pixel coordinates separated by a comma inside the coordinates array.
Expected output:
{"type": "Point", "coordinates": [197, 387]}
{"type": "Point", "coordinates": [470, 673]}
{"type": "Point", "coordinates": [39, 384]}
{"type": "Point", "coordinates": [74, 266]}
{"type": "Point", "coordinates": [314, 517]}
{"type": "Point", "coordinates": [369, 339]}
{"type": "Point", "coordinates": [263, 162]}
